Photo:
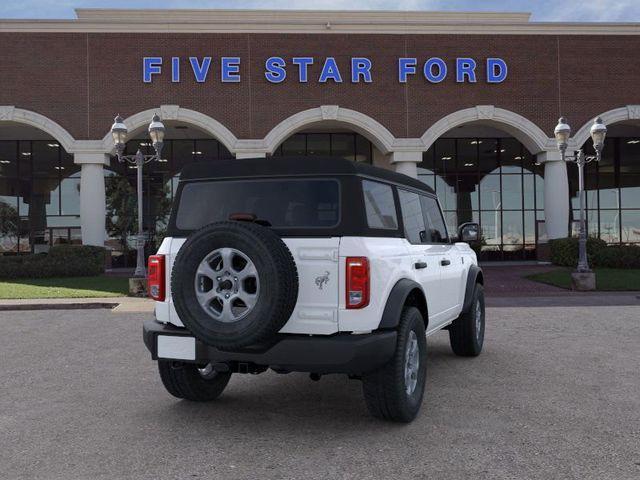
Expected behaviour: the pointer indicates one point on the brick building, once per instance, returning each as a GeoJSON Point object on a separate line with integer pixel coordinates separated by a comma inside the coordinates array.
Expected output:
{"type": "Point", "coordinates": [467, 102]}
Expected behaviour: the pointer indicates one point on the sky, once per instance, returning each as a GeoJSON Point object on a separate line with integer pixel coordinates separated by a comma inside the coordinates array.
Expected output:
{"type": "Point", "coordinates": [542, 10]}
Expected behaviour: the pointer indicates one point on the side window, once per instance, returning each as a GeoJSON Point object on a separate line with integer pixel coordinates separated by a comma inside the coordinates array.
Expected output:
{"type": "Point", "coordinates": [412, 216]}
{"type": "Point", "coordinates": [379, 205]}
{"type": "Point", "coordinates": [436, 230]}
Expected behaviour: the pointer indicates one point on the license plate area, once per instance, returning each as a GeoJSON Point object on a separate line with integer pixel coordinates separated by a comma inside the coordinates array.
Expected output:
{"type": "Point", "coordinates": [176, 347]}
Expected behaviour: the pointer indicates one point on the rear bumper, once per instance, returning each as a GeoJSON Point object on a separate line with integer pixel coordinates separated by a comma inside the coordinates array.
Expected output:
{"type": "Point", "coordinates": [340, 353]}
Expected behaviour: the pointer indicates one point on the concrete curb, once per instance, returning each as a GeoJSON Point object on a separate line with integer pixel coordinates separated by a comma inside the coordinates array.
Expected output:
{"type": "Point", "coordinates": [57, 306]}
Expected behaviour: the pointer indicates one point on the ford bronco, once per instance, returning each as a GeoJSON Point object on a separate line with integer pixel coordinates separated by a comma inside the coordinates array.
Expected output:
{"type": "Point", "coordinates": [317, 265]}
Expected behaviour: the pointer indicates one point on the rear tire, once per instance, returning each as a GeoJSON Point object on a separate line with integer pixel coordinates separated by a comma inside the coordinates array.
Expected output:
{"type": "Point", "coordinates": [466, 333]}
{"type": "Point", "coordinates": [186, 380]}
{"type": "Point", "coordinates": [395, 391]}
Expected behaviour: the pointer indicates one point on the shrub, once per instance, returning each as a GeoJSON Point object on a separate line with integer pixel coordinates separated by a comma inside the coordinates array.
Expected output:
{"type": "Point", "coordinates": [618, 256]}
{"type": "Point", "coordinates": [61, 261]}
{"type": "Point", "coordinates": [564, 251]}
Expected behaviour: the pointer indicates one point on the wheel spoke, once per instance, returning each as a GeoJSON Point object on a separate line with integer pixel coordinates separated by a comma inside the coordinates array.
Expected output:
{"type": "Point", "coordinates": [204, 298]}
{"type": "Point", "coordinates": [227, 258]}
{"type": "Point", "coordinates": [247, 298]}
{"type": "Point", "coordinates": [205, 269]}
{"type": "Point", "coordinates": [248, 271]}
{"type": "Point", "coordinates": [227, 313]}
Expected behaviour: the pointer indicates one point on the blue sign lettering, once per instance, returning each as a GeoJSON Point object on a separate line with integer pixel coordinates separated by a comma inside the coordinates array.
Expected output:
{"type": "Point", "coordinates": [440, 65]}
{"type": "Point", "coordinates": [175, 69]}
{"type": "Point", "coordinates": [330, 71]}
{"type": "Point", "coordinates": [151, 66]}
{"type": "Point", "coordinates": [230, 70]}
{"type": "Point", "coordinates": [275, 69]}
{"type": "Point", "coordinates": [200, 71]}
{"type": "Point", "coordinates": [406, 66]}
{"type": "Point", "coordinates": [496, 70]}
{"type": "Point", "coordinates": [360, 67]}
{"type": "Point", "coordinates": [303, 67]}
{"type": "Point", "coordinates": [434, 69]}
{"type": "Point", "coordinates": [465, 67]}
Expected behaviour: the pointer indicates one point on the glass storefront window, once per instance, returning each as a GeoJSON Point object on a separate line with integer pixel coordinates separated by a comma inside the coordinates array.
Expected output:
{"type": "Point", "coordinates": [343, 145]}
{"type": "Point", "coordinates": [610, 226]}
{"type": "Point", "coordinates": [8, 159]}
{"type": "Point", "coordinates": [512, 192]}
{"type": "Point", "coordinates": [493, 181]}
{"type": "Point", "coordinates": [318, 144]}
{"type": "Point", "coordinates": [630, 223]}
{"type": "Point", "coordinates": [351, 146]}
{"type": "Point", "coordinates": [612, 187]}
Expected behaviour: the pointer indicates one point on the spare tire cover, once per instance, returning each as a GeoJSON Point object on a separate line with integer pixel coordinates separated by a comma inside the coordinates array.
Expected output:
{"type": "Point", "coordinates": [234, 284]}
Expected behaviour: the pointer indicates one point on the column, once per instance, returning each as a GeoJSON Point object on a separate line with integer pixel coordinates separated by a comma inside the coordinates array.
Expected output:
{"type": "Point", "coordinates": [406, 162]}
{"type": "Point", "coordinates": [250, 155]}
{"type": "Point", "coordinates": [556, 194]}
{"type": "Point", "coordinates": [93, 208]}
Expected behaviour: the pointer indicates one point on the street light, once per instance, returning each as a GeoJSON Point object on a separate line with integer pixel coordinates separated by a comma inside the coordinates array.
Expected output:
{"type": "Point", "coordinates": [562, 133]}
{"type": "Point", "coordinates": [119, 133]}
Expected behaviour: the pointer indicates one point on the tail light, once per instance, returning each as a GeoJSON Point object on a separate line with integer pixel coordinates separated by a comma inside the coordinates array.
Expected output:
{"type": "Point", "coordinates": [156, 277]}
{"type": "Point", "coordinates": [357, 282]}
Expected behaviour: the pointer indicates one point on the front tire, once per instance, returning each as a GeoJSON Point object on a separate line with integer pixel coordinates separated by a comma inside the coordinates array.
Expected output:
{"type": "Point", "coordinates": [186, 380]}
{"type": "Point", "coordinates": [395, 391]}
{"type": "Point", "coordinates": [466, 333]}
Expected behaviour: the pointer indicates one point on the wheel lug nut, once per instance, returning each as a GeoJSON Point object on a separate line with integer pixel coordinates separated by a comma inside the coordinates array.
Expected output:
{"type": "Point", "coordinates": [226, 296]}
{"type": "Point", "coordinates": [218, 278]}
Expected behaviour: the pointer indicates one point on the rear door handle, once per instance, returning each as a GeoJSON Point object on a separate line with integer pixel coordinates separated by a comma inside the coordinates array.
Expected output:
{"type": "Point", "coordinates": [444, 262]}
{"type": "Point", "coordinates": [419, 265]}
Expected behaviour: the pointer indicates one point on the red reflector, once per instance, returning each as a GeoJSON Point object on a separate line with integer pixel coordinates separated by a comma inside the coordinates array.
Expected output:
{"type": "Point", "coordinates": [357, 282]}
{"type": "Point", "coordinates": [156, 277]}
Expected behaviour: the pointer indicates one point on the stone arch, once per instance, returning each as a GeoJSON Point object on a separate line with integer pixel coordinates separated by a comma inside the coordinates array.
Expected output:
{"type": "Point", "coordinates": [177, 113]}
{"type": "Point", "coordinates": [629, 112]}
{"type": "Point", "coordinates": [373, 130]}
{"type": "Point", "coordinates": [527, 132]}
{"type": "Point", "coordinates": [10, 113]}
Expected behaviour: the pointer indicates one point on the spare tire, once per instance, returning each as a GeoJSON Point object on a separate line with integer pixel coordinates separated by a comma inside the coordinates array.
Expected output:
{"type": "Point", "coordinates": [234, 284]}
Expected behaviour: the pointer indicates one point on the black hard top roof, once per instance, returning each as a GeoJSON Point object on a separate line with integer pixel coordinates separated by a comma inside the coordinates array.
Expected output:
{"type": "Point", "coordinates": [293, 166]}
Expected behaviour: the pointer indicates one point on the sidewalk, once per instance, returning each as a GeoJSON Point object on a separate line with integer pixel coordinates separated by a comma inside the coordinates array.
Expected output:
{"type": "Point", "coordinates": [116, 304]}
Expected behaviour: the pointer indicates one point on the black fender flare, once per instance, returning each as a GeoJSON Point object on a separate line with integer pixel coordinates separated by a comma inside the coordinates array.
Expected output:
{"type": "Point", "coordinates": [474, 276]}
{"type": "Point", "coordinates": [397, 299]}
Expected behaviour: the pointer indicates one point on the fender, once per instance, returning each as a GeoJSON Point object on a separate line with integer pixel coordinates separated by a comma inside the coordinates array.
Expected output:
{"type": "Point", "coordinates": [398, 297]}
{"type": "Point", "coordinates": [474, 276]}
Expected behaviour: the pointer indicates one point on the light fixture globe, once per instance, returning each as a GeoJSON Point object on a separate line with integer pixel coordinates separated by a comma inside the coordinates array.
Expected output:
{"type": "Point", "coordinates": [598, 133]}
{"type": "Point", "coordinates": [119, 133]}
{"type": "Point", "coordinates": [156, 129]}
{"type": "Point", "coordinates": [562, 133]}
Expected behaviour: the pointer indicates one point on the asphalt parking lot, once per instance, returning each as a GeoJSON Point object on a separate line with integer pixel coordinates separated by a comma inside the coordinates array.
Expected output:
{"type": "Point", "coordinates": [555, 394]}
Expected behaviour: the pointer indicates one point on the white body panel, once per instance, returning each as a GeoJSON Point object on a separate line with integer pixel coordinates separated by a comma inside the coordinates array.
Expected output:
{"type": "Point", "coordinates": [320, 308]}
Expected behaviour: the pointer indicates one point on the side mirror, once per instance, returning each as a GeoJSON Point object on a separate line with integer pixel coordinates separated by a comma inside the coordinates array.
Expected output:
{"type": "Point", "coordinates": [469, 232]}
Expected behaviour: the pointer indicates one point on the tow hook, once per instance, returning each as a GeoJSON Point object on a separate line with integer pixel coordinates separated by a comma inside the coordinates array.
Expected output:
{"type": "Point", "coordinates": [315, 377]}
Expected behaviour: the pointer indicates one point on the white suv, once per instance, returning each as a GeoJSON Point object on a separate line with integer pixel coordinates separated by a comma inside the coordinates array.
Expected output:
{"type": "Point", "coordinates": [306, 264]}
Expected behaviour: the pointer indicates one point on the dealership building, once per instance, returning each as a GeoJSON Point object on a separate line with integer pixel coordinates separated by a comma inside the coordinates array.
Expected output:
{"type": "Point", "coordinates": [465, 102]}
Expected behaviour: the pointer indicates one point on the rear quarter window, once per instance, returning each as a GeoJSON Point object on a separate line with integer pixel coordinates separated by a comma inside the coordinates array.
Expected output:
{"type": "Point", "coordinates": [379, 205]}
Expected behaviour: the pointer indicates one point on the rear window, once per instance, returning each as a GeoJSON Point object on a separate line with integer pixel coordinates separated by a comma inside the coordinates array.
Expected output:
{"type": "Point", "coordinates": [284, 203]}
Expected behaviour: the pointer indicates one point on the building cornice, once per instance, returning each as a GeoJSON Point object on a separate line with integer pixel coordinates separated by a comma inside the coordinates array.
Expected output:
{"type": "Point", "coordinates": [315, 22]}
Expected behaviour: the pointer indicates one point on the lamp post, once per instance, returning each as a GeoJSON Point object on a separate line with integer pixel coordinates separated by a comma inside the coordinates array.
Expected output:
{"type": "Point", "coordinates": [119, 133]}
{"type": "Point", "coordinates": [562, 133]}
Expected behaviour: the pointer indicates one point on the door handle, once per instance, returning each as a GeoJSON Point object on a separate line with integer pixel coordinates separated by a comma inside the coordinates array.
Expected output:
{"type": "Point", "coordinates": [444, 262]}
{"type": "Point", "coordinates": [419, 265]}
